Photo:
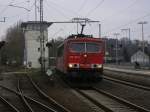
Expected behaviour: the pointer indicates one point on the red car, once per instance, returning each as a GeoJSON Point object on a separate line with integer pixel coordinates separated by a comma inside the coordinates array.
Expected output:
{"type": "Point", "coordinates": [81, 56]}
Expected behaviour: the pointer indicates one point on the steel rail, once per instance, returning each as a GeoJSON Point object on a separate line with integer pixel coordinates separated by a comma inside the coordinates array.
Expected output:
{"type": "Point", "coordinates": [127, 83]}
{"type": "Point", "coordinates": [126, 72]}
{"type": "Point", "coordinates": [26, 104]}
{"type": "Point", "coordinates": [106, 109]}
{"type": "Point", "coordinates": [30, 99]}
{"type": "Point", "coordinates": [55, 103]}
{"type": "Point", "coordinates": [123, 101]}
{"type": "Point", "coordinates": [12, 107]}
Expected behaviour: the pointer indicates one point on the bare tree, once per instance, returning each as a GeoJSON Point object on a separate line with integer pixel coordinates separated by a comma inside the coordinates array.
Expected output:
{"type": "Point", "coordinates": [13, 51]}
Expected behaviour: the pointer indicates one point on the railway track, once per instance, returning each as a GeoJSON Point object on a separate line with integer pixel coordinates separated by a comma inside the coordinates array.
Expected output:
{"type": "Point", "coordinates": [9, 105]}
{"type": "Point", "coordinates": [128, 83]}
{"type": "Point", "coordinates": [54, 103]}
{"type": "Point", "coordinates": [27, 100]}
{"type": "Point", "coordinates": [34, 107]}
{"type": "Point", "coordinates": [139, 79]}
{"type": "Point", "coordinates": [109, 102]}
{"type": "Point", "coordinates": [32, 104]}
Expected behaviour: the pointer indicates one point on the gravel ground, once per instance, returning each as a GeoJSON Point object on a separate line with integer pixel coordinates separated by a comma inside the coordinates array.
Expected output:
{"type": "Point", "coordinates": [62, 94]}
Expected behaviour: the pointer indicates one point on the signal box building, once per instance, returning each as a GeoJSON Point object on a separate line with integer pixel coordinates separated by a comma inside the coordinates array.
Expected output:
{"type": "Point", "coordinates": [32, 52]}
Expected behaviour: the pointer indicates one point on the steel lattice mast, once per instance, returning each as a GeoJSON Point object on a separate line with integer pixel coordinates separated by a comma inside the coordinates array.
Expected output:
{"type": "Point", "coordinates": [42, 57]}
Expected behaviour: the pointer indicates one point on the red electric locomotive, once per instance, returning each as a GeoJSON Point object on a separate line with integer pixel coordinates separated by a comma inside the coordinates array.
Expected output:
{"type": "Point", "coordinates": [81, 56]}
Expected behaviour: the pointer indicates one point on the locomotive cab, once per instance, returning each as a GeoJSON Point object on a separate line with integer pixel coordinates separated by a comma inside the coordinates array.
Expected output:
{"type": "Point", "coordinates": [83, 57]}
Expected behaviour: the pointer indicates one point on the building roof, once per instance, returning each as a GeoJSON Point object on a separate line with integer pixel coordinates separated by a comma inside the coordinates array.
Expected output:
{"type": "Point", "coordinates": [139, 53]}
{"type": "Point", "coordinates": [24, 24]}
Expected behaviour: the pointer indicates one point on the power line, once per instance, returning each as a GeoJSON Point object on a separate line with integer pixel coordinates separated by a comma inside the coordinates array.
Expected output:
{"type": "Point", "coordinates": [98, 5]}
{"type": "Point", "coordinates": [59, 11]}
{"type": "Point", "coordinates": [32, 6]}
{"type": "Point", "coordinates": [63, 8]}
{"type": "Point", "coordinates": [6, 7]}
{"type": "Point", "coordinates": [14, 16]}
{"type": "Point", "coordinates": [20, 7]}
{"type": "Point", "coordinates": [121, 12]}
{"type": "Point", "coordinates": [82, 5]}
{"type": "Point", "coordinates": [20, 2]}
{"type": "Point", "coordinates": [131, 22]}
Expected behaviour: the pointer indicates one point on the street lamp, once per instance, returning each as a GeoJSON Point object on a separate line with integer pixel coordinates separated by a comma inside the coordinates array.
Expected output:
{"type": "Point", "coordinates": [142, 23]}
{"type": "Point", "coordinates": [116, 34]}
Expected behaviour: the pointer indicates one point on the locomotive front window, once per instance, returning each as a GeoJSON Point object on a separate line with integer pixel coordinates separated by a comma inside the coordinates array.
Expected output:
{"type": "Point", "coordinates": [85, 47]}
{"type": "Point", "coordinates": [77, 47]}
{"type": "Point", "coordinates": [92, 47]}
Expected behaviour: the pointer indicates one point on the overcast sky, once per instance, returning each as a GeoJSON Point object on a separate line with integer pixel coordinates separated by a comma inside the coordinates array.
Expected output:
{"type": "Point", "coordinates": [113, 15]}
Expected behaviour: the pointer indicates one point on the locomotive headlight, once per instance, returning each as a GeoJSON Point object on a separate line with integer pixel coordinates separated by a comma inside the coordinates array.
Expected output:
{"type": "Point", "coordinates": [85, 55]}
{"type": "Point", "coordinates": [99, 65]}
{"type": "Point", "coordinates": [73, 65]}
{"type": "Point", "coordinates": [96, 65]}
{"type": "Point", "coordinates": [70, 65]}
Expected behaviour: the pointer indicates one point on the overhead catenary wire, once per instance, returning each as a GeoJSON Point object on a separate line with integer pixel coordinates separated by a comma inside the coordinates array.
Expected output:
{"type": "Point", "coordinates": [16, 15]}
{"type": "Point", "coordinates": [19, 14]}
{"type": "Point", "coordinates": [70, 11]}
{"type": "Point", "coordinates": [48, 6]}
{"type": "Point", "coordinates": [6, 7]}
{"type": "Point", "coordinates": [10, 3]}
{"type": "Point", "coordinates": [97, 6]}
{"type": "Point", "coordinates": [60, 12]}
{"type": "Point", "coordinates": [82, 5]}
{"type": "Point", "coordinates": [55, 9]}
{"type": "Point", "coordinates": [121, 11]}
{"type": "Point", "coordinates": [20, 2]}
{"type": "Point", "coordinates": [130, 22]}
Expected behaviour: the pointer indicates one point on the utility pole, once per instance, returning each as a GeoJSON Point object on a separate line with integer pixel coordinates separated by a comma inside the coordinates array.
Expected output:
{"type": "Point", "coordinates": [42, 40]}
{"type": "Point", "coordinates": [4, 19]}
{"type": "Point", "coordinates": [129, 34]}
{"type": "Point", "coordinates": [99, 30]}
{"type": "Point", "coordinates": [28, 1]}
{"type": "Point", "coordinates": [35, 10]}
{"type": "Point", "coordinates": [106, 52]}
{"type": "Point", "coordinates": [116, 35]}
{"type": "Point", "coordinates": [143, 44]}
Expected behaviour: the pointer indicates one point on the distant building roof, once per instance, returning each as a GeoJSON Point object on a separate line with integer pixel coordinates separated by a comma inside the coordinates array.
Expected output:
{"type": "Point", "coordinates": [139, 53]}
{"type": "Point", "coordinates": [140, 57]}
